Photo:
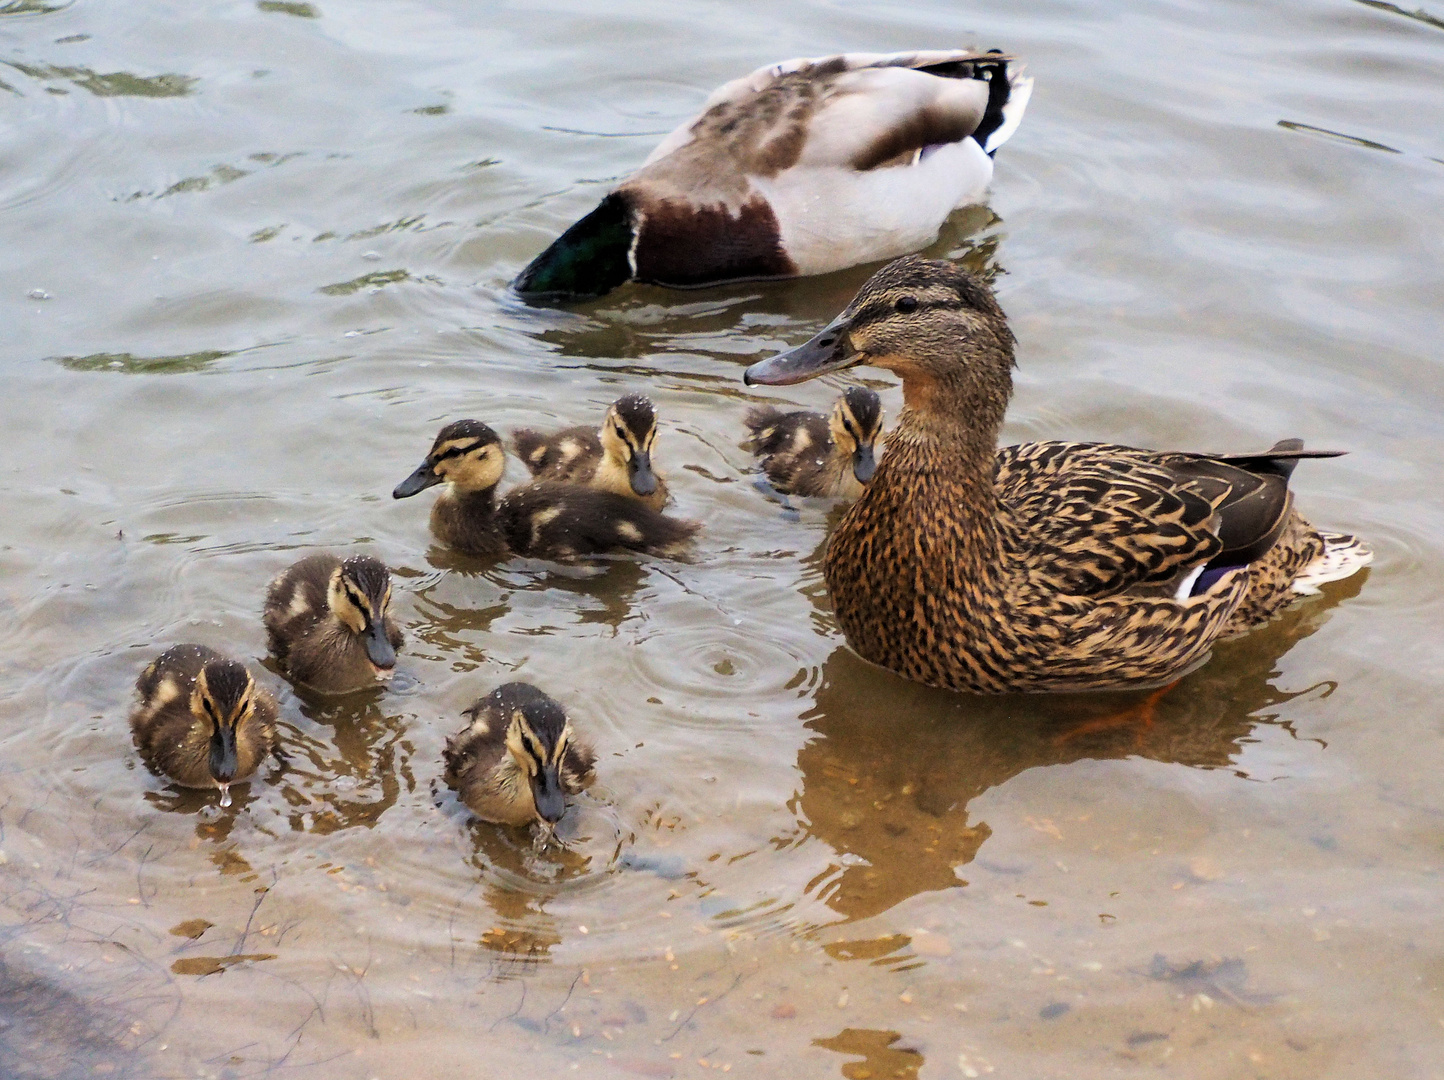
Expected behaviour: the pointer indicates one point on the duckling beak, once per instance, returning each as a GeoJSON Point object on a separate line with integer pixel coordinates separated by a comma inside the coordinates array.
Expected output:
{"type": "Point", "coordinates": [863, 463]}
{"type": "Point", "coordinates": [830, 350]}
{"type": "Point", "coordinates": [644, 480]}
{"type": "Point", "coordinates": [223, 760]}
{"type": "Point", "coordinates": [378, 645]}
{"type": "Point", "coordinates": [420, 480]}
{"type": "Point", "coordinates": [546, 789]}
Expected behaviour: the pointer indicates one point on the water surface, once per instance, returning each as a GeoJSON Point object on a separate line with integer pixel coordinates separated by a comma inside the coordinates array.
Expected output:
{"type": "Point", "coordinates": [257, 254]}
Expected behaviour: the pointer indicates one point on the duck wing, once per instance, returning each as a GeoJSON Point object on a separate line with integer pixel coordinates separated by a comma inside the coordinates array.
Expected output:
{"type": "Point", "coordinates": [1098, 520]}
{"type": "Point", "coordinates": [856, 110]}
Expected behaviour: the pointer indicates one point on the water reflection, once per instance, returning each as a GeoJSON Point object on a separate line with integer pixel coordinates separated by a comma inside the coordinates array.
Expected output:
{"type": "Point", "coordinates": [889, 782]}
{"type": "Point", "coordinates": [881, 1056]}
{"type": "Point", "coordinates": [348, 766]}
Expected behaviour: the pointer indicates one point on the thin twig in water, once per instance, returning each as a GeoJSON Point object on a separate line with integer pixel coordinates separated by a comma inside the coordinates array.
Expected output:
{"type": "Point", "coordinates": [705, 1001]}
{"type": "Point", "coordinates": [547, 1020]}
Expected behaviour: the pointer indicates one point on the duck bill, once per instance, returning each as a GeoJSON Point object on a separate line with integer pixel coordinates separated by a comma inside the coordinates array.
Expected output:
{"type": "Point", "coordinates": [830, 350]}
{"type": "Point", "coordinates": [546, 789]}
{"type": "Point", "coordinates": [863, 463]}
{"type": "Point", "coordinates": [639, 469]}
{"type": "Point", "coordinates": [418, 481]}
{"type": "Point", "coordinates": [223, 761]}
{"type": "Point", "coordinates": [378, 645]}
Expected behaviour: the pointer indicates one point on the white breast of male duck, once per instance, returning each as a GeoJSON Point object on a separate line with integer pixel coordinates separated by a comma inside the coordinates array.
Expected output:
{"type": "Point", "coordinates": [802, 167]}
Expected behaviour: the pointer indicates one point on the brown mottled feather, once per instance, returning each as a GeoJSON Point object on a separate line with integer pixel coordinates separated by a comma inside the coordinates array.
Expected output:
{"type": "Point", "coordinates": [1044, 566]}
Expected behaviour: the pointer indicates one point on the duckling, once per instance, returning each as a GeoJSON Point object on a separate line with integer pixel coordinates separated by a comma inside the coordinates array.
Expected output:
{"type": "Point", "coordinates": [328, 622]}
{"type": "Point", "coordinates": [202, 719]}
{"type": "Point", "coordinates": [546, 519]}
{"type": "Point", "coordinates": [518, 759]}
{"type": "Point", "coordinates": [617, 458]}
{"type": "Point", "coordinates": [1049, 565]}
{"type": "Point", "coordinates": [805, 453]}
{"type": "Point", "coordinates": [802, 167]}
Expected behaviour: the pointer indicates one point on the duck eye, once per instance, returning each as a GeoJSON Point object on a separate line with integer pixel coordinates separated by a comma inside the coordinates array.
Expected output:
{"type": "Point", "coordinates": [906, 304]}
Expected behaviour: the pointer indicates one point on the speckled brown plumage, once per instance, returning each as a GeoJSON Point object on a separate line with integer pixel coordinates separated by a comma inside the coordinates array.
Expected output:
{"type": "Point", "coordinates": [173, 728]}
{"type": "Point", "coordinates": [544, 520]}
{"type": "Point", "coordinates": [1044, 566]}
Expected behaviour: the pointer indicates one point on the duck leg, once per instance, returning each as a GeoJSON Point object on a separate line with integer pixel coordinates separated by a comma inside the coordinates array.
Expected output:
{"type": "Point", "coordinates": [1139, 716]}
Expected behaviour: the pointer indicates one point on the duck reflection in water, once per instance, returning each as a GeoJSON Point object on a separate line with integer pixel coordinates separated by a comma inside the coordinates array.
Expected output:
{"type": "Point", "coordinates": [888, 783]}
{"type": "Point", "coordinates": [347, 767]}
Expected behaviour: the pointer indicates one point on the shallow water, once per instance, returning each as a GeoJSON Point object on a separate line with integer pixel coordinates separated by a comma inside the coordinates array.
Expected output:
{"type": "Point", "coordinates": [257, 254]}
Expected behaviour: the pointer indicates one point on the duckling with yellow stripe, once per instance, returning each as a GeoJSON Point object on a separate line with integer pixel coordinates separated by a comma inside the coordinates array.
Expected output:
{"type": "Point", "coordinates": [545, 520]}
{"type": "Point", "coordinates": [617, 457]}
{"type": "Point", "coordinates": [806, 453]}
{"type": "Point", "coordinates": [518, 758]}
{"type": "Point", "coordinates": [328, 621]}
{"type": "Point", "coordinates": [202, 719]}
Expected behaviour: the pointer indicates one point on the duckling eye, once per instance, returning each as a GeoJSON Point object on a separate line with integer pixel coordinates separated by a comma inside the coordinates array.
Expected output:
{"type": "Point", "coordinates": [906, 304]}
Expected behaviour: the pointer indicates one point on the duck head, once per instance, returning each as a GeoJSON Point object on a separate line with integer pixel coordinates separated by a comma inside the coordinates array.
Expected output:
{"type": "Point", "coordinates": [929, 321]}
{"type": "Point", "coordinates": [467, 454]}
{"type": "Point", "coordinates": [856, 423]}
{"type": "Point", "coordinates": [627, 435]}
{"type": "Point", "coordinates": [537, 738]}
{"type": "Point", "coordinates": [359, 595]}
{"type": "Point", "coordinates": [223, 699]}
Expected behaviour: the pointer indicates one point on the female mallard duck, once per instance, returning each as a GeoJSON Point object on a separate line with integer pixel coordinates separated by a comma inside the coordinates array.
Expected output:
{"type": "Point", "coordinates": [806, 453]}
{"type": "Point", "coordinates": [517, 761]}
{"type": "Point", "coordinates": [1044, 566]}
{"type": "Point", "coordinates": [328, 622]}
{"type": "Point", "coordinates": [804, 167]}
{"type": "Point", "coordinates": [617, 458]}
{"type": "Point", "coordinates": [545, 520]}
{"type": "Point", "coordinates": [202, 720]}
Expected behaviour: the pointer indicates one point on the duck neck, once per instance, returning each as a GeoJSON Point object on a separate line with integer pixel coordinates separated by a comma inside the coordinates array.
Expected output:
{"type": "Point", "coordinates": [946, 445]}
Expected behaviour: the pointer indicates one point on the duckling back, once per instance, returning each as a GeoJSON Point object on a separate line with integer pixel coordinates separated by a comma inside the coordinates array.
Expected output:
{"type": "Point", "coordinates": [560, 521]}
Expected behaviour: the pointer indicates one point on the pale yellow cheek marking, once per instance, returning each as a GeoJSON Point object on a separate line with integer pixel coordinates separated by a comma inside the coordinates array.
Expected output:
{"type": "Point", "coordinates": [801, 441]}
{"type": "Point", "coordinates": [569, 449]}
{"type": "Point", "coordinates": [299, 605]}
{"type": "Point", "coordinates": [166, 691]}
{"type": "Point", "coordinates": [627, 531]}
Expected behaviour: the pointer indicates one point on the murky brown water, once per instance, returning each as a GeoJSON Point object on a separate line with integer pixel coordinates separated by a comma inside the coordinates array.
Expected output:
{"type": "Point", "coordinates": [256, 254]}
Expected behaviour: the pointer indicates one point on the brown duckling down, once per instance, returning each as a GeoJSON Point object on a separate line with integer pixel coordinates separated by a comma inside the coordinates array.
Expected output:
{"type": "Point", "coordinates": [806, 453]}
{"type": "Point", "coordinates": [329, 624]}
{"type": "Point", "coordinates": [1049, 565]}
{"type": "Point", "coordinates": [547, 520]}
{"type": "Point", "coordinates": [617, 457]}
{"type": "Point", "coordinates": [202, 719]}
{"type": "Point", "coordinates": [518, 759]}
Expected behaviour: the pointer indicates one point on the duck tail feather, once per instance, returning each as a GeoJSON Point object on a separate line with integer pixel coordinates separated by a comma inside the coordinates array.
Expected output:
{"type": "Point", "coordinates": [1343, 556]}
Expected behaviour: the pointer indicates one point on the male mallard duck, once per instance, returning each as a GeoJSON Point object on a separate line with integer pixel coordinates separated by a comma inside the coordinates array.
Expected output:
{"type": "Point", "coordinates": [546, 520]}
{"type": "Point", "coordinates": [328, 622]}
{"type": "Point", "coordinates": [1044, 566]}
{"type": "Point", "coordinates": [518, 760]}
{"type": "Point", "coordinates": [617, 458]}
{"type": "Point", "coordinates": [803, 167]}
{"type": "Point", "coordinates": [806, 453]}
{"type": "Point", "coordinates": [202, 720]}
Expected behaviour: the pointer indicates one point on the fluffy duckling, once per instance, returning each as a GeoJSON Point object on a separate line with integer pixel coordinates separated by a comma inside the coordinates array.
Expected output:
{"type": "Point", "coordinates": [518, 760]}
{"type": "Point", "coordinates": [202, 719]}
{"type": "Point", "coordinates": [545, 520]}
{"type": "Point", "coordinates": [617, 458]}
{"type": "Point", "coordinates": [806, 453]}
{"type": "Point", "coordinates": [1049, 565]}
{"type": "Point", "coordinates": [802, 167]}
{"type": "Point", "coordinates": [328, 622]}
